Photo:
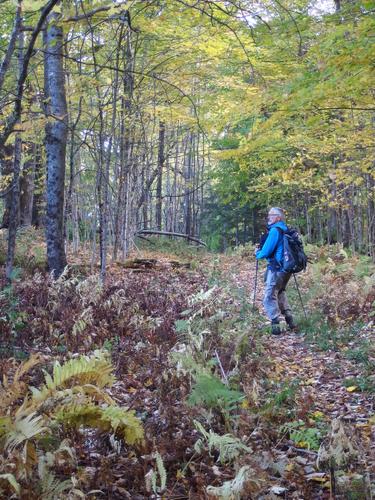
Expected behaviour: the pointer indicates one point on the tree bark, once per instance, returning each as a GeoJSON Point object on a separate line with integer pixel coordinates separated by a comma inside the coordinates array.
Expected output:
{"type": "Point", "coordinates": [39, 201]}
{"type": "Point", "coordinates": [15, 201]}
{"type": "Point", "coordinates": [56, 138]}
{"type": "Point", "coordinates": [27, 189]}
{"type": "Point", "coordinates": [14, 208]}
{"type": "Point", "coordinates": [159, 201]}
{"type": "Point", "coordinates": [6, 164]}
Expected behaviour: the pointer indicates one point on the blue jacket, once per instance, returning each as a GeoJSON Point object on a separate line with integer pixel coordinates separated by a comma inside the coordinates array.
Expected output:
{"type": "Point", "coordinates": [273, 248]}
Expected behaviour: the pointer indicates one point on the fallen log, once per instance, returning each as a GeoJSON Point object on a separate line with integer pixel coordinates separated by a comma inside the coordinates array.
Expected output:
{"type": "Point", "coordinates": [139, 263]}
{"type": "Point", "coordinates": [168, 233]}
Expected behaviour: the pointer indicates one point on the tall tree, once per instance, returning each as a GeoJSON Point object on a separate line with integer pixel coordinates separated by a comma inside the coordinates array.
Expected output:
{"type": "Point", "coordinates": [55, 142]}
{"type": "Point", "coordinates": [161, 159]}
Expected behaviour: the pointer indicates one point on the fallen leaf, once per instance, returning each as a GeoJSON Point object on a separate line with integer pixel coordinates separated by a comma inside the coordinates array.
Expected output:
{"type": "Point", "coordinates": [319, 477]}
{"type": "Point", "coordinates": [310, 381]}
{"type": "Point", "coordinates": [352, 388]}
{"type": "Point", "coordinates": [278, 490]}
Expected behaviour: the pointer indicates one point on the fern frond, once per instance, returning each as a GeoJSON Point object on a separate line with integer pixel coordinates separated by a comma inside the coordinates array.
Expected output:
{"type": "Point", "coordinates": [185, 362]}
{"type": "Point", "coordinates": [125, 422]}
{"type": "Point", "coordinates": [29, 458]}
{"type": "Point", "coordinates": [79, 394]}
{"type": "Point", "coordinates": [228, 446]}
{"type": "Point", "coordinates": [12, 391]}
{"type": "Point", "coordinates": [12, 481]}
{"type": "Point", "coordinates": [119, 420]}
{"type": "Point", "coordinates": [151, 478]}
{"type": "Point", "coordinates": [89, 290]}
{"type": "Point", "coordinates": [162, 472]}
{"type": "Point", "coordinates": [26, 366]}
{"type": "Point", "coordinates": [23, 429]}
{"type": "Point", "coordinates": [91, 370]}
{"type": "Point", "coordinates": [84, 320]}
{"type": "Point", "coordinates": [52, 488]}
{"type": "Point", "coordinates": [210, 391]}
{"type": "Point", "coordinates": [235, 489]}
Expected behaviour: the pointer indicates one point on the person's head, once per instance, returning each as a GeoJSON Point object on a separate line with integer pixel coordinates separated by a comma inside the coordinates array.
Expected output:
{"type": "Point", "coordinates": [275, 214]}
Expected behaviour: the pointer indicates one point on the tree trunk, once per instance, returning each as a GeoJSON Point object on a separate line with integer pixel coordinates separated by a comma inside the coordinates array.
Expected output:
{"type": "Point", "coordinates": [371, 215]}
{"type": "Point", "coordinates": [6, 169]}
{"type": "Point", "coordinates": [159, 201]}
{"type": "Point", "coordinates": [38, 210]}
{"type": "Point", "coordinates": [15, 203]}
{"type": "Point", "coordinates": [125, 146]}
{"type": "Point", "coordinates": [27, 190]}
{"type": "Point", "coordinates": [187, 185]}
{"type": "Point", "coordinates": [56, 138]}
{"type": "Point", "coordinates": [14, 208]}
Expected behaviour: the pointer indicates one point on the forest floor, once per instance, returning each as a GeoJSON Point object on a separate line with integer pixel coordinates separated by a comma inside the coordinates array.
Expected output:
{"type": "Point", "coordinates": [228, 411]}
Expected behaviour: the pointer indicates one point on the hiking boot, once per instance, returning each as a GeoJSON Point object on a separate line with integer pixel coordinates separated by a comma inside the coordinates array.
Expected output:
{"type": "Point", "coordinates": [275, 327]}
{"type": "Point", "coordinates": [290, 322]}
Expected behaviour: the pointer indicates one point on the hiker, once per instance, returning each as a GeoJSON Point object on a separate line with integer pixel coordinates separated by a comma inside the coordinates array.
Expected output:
{"type": "Point", "coordinates": [275, 300]}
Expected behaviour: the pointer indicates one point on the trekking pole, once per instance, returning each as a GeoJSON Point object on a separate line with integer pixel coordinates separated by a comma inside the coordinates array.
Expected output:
{"type": "Point", "coordinates": [300, 298]}
{"type": "Point", "coordinates": [256, 282]}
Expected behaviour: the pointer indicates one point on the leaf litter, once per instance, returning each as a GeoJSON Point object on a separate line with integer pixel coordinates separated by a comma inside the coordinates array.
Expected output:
{"type": "Point", "coordinates": [294, 394]}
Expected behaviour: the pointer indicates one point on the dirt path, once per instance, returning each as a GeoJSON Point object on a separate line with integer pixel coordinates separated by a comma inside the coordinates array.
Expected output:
{"type": "Point", "coordinates": [321, 374]}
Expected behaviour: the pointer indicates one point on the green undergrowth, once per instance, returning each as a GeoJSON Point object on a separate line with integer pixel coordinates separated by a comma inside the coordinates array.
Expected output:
{"type": "Point", "coordinates": [338, 292]}
{"type": "Point", "coordinates": [170, 246]}
{"type": "Point", "coordinates": [30, 252]}
{"type": "Point", "coordinates": [326, 336]}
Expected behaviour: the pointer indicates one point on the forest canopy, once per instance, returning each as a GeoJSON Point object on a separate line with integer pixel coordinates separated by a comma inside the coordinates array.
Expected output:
{"type": "Point", "coordinates": [186, 117]}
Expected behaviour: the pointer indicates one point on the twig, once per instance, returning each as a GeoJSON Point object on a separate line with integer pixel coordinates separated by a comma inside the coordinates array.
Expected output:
{"type": "Point", "coordinates": [221, 368]}
{"type": "Point", "coordinates": [168, 233]}
{"type": "Point", "coordinates": [302, 450]}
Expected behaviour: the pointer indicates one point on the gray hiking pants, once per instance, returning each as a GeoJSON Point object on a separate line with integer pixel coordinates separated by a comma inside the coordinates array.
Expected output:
{"type": "Point", "coordinates": [275, 301]}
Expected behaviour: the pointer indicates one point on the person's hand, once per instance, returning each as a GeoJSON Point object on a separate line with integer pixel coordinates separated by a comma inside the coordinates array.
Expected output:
{"type": "Point", "coordinates": [256, 248]}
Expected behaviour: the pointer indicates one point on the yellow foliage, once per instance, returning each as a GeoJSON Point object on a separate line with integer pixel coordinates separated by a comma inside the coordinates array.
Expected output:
{"type": "Point", "coordinates": [73, 396]}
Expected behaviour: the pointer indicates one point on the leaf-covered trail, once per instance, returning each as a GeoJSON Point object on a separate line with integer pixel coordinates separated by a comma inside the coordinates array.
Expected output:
{"type": "Point", "coordinates": [321, 374]}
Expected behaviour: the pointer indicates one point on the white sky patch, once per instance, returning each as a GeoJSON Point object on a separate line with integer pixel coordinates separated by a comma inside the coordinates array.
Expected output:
{"type": "Point", "coordinates": [322, 7]}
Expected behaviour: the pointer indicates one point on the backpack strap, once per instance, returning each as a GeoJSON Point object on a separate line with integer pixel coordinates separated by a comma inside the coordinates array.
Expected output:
{"type": "Point", "coordinates": [281, 233]}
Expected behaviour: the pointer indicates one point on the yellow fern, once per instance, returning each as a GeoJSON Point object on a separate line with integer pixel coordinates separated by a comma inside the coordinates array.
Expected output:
{"type": "Point", "coordinates": [95, 370]}
{"type": "Point", "coordinates": [24, 428]}
{"type": "Point", "coordinates": [111, 418]}
{"type": "Point", "coordinates": [12, 391]}
{"type": "Point", "coordinates": [75, 394]}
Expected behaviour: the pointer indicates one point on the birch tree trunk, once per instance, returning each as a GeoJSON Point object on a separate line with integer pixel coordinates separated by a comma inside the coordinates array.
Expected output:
{"type": "Point", "coordinates": [56, 138]}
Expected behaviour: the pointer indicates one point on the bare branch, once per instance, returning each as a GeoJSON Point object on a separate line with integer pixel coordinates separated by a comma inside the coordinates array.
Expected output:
{"type": "Point", "coordinates": [14, 117]}
{"type": "Point", "coordinates": [168, 233]}
{"type": "Point", "coordinates": [11, 46]}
